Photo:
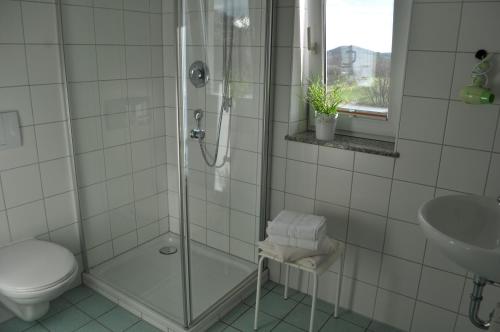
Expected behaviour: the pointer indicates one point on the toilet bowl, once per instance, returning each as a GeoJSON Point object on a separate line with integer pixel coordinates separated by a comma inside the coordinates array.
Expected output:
{"type": "Point", "coordinates": [32, 273]}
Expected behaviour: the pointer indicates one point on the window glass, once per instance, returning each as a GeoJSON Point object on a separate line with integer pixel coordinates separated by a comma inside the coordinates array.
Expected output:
{"type": "Point", "coordinates": [358, 39]}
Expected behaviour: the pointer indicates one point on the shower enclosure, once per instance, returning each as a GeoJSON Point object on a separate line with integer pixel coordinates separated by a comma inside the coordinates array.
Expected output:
{"type": "Point", "coordinates": [169, 119]}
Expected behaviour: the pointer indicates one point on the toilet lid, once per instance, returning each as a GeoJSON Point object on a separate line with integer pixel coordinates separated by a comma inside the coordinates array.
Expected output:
{"type": "Point", "coordinates": [33, 265]}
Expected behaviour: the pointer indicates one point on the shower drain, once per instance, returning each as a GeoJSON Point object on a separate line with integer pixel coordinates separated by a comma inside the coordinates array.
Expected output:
{"type": "Point", "coordinates": [168, 250]}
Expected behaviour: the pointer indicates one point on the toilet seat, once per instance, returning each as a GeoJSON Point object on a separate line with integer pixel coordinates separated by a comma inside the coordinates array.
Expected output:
{"type": "Point", "coordinates": [32, 267]}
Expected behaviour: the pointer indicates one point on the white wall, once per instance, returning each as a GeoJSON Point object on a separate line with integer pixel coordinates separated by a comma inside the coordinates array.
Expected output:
{"type": "Point", "coordinates": [36, 186]}
{"type": "Point", "coordinates": [224, 206]}
{"type": "Point", "coordinates": [391, 272]}
{"type": "Point", "coordinates": [114, 61]}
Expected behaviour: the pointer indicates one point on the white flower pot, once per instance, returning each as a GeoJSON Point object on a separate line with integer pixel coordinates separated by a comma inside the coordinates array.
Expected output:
{"type": "Point", "coordinates": [325, 126]}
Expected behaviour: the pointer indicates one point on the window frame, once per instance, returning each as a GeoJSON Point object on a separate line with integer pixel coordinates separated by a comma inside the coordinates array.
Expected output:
{"type": "Point", "coordinates": [358, 123]}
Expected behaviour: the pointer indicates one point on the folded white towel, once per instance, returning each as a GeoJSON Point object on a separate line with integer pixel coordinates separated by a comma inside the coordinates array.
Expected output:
{"type": "Point", "coordinates": [297, 225]}
{"type": "Point", "coordinates": [291, 254]}
{"type": "Point", "coordinates": [294, 242]}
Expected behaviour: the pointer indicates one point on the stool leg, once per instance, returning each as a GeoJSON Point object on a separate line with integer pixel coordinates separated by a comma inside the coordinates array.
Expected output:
{"type": "Point", "coordinates": [257, 296]}
{"type": "Point", "coordinates": [287, 273]}
{"type": "Point", "coordinates": [339, 286]}
{"type": "Point", "coordinates": [313, 304]}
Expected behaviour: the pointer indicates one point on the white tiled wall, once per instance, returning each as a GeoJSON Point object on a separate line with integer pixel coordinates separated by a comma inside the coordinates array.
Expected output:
{"type": "Point", "coordinates": [224, 206]}
{"type": "Point", "coordinates": [114, 66]}
{"type": "Point", "coordinates": [36, 185]}
{"type": "Point", "coordinates": [392, 273]}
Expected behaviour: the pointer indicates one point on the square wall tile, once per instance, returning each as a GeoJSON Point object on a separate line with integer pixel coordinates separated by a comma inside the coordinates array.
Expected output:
{"type": "Point", "coordinates": [404, 240]}
{"type": "Point", "coordinates": [27, 221]}
{"type": "Point", "coordinates": [78, 25]}
{"type": "Point", "coordinates": [40, 22]}
{"type": "Point", "coordinates": [362, 264]}
{"type": "Point", "coordinates": [21, 185]}
{"type": "Point", "coordinates": [366, 230]}
{"type": "Point", "coordinates": [362, 198]}
{"type": "Point", "coordinates": [419, 162]}
{"type": "Point", "coordinates": [493, 182]}
{"type": "Point", "coordinates": [394, 310]}
{"type": "Point", "coordinates": [48, 103]}
{"type": "Point", "coordinates": [109, 28]}
{"type": "Point", "coordinates": [471, 126]}
{"type": "Point", "coordinates": [11, 29]}
{"type": "Point", "coordinates": [12, 65]}
{"type": "Point", "coordinates": [4, 229]}
{"type": "Point", "coordinates": [336, 218]}
{"type": "Point", "coordinates": [434, 257]}
{"type": "Point", "coordinates": [423, 119]}
{"type": "Point", "coordinates": [400, 275]}
{"type": "Point", "coordinates": [81, 63]}
{"type": "Point", "coordinates": [44, 65]}
{"type": "Point", "coordinates": [358, 296]}
{"type": "Point", "coordinates": [463, 170]}
{"type": "Point", "coordinates": [428, 318]}
{"type": "Point", "coordinates": [333, 185]}
{"type": "Point", "coordinates": [90, 168]}
{"type": "Point", "coordinates": [429, 74]}
{"type": "Point", "coordinates": [406, 198]}
{"type": "Point", "coordinates": [56, 176]}
{"type": "Point", "coordinates": [96, 230]}
{"type": "Point", "coordinates": [23, 155]}
{"type": "Point", "coordinates": [280, 130]}
{"type": "Point", "coordinates": [93, 200]}
{"type": "Point", "coordinates": [337, 158]}
{"type": "Point", "coordinates": [479, 21]}
{"type": "Point", "coordinates": [374, 164]}
{"type": "Point", "coordinates": [111, 62]}
{"type": "Point", "coordinates": [278, 173]}
{"type": "Point", "coordinates": [299, 204]}
{"type": "Point", "coordinates": [441, 288]}
{"type": "Point", "coordinates": [18, 98]}
{"type": "Point", "coordinates": [61, 210]}
{"type": "Point", "coordinates": [83, 99]}
{"type": "Point", "coordinates": [300, 178]}
{"type": "Point", "coordinates": [434, 27]}
{"type": "Point", "coordinates": [52, 141]}
{"type": "Point", "coordinates": [243, 196]}
{"type": "Point", "coordinates": [302, 152]}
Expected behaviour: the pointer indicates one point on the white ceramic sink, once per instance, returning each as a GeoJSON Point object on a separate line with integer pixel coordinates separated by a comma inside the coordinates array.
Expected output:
{"type": "Point", "coordinates": [467, 229]}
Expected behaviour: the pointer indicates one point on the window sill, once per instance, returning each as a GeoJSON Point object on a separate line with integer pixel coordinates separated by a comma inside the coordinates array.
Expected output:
{"type": "Point", "coordinates": [344, 142]}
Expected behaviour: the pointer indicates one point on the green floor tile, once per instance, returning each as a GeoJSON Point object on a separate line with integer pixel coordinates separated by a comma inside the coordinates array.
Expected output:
{"type": "Point", "coordinates": [381, 327]}
{"type": "Point", "coordinates": [235, 313]}
{"type": "Point", "coordinates": [285, 327]}
{"type": "Point", "coordinates": [15, 325]}
{"type": "Point", "coordinates": [245, 322]}
{"type": "Point", "coordinates": [142, 326]}
{"type": "Point", "coordinates": [274, 305]}
{"type": "Point", "coordinates": [56, 306]}
{"type": "Point", "coordinates": [95, 305]}
{"type": "Point", "coordinates": [217, 327]}
{"type": "Point", "coordinates": [337, 324]}
{"type": "Point", "coordinates": [301, 314]}
{"type": "Point", "coordinates": [67, 320]}
{"type": "Point", "coordinates": [321, 305]}
{"type": "Point", "coordinates": [250, 300]}
{"type": "Point", "coordinates": [36, 328]}
{"type": "Point", "coordinates": [355, 318]}
{"type": "Point", "coordinates": [292, 293]}
{"type": "Point", "coordinates": [118, 319]}
{"type": "Point", "coordinates": [93, 326]}
{"type": "Point", "coordinates": [77, 294]}
{"type": "Point", "coordinates": [270, 285]}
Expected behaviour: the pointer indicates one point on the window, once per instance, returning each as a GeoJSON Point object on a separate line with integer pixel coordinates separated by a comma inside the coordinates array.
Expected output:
{"type": "Point", "coordinates": [364, 46]}
{"type": "Point", "coordinates": [358, 52]}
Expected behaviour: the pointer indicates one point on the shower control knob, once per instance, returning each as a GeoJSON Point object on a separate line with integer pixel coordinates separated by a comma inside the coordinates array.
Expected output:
{"type": "Point", "coordinates": [198, 74]}
{"type": "Point", "coordinates": [197, 133]}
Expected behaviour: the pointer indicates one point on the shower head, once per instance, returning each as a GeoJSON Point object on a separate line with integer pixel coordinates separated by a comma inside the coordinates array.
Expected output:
{"type": "Point", "coordinates": [237, 10]}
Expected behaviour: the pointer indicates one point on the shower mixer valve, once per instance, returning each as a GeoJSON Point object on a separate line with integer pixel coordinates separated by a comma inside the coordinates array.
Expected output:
{"type": "Point", "coordinates": [197, 132]}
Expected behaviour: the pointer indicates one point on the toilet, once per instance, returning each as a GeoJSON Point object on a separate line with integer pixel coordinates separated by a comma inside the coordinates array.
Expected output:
{"type": "Point", "coordinates": [32, 273]}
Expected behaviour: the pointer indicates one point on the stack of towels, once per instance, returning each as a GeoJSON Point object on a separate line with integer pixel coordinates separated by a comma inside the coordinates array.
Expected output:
{"type": "Point", "coordinates": [293, 236]}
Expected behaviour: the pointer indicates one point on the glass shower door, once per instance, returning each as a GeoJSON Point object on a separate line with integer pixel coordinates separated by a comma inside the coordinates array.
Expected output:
{"type": "Point", "coordinates": [220, 125]}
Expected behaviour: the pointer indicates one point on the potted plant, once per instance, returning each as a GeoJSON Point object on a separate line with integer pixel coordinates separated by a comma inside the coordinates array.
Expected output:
{"type": "Point", "coordinates": [325, 101]}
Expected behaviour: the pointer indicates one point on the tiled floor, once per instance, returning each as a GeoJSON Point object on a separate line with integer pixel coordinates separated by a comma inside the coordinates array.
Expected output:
{"type": "Point", "coordinates": [82, 310]}
{"type": "Point", "coordinates": [292, 315]}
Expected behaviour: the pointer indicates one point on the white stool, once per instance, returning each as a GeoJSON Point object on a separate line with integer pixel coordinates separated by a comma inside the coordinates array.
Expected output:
{"type": "Point", "coordinates": [316, 272]}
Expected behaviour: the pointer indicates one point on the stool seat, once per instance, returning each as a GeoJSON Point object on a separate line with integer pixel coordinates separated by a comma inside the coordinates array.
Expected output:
{"type": "Point", "coordinates": [304, 264]}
